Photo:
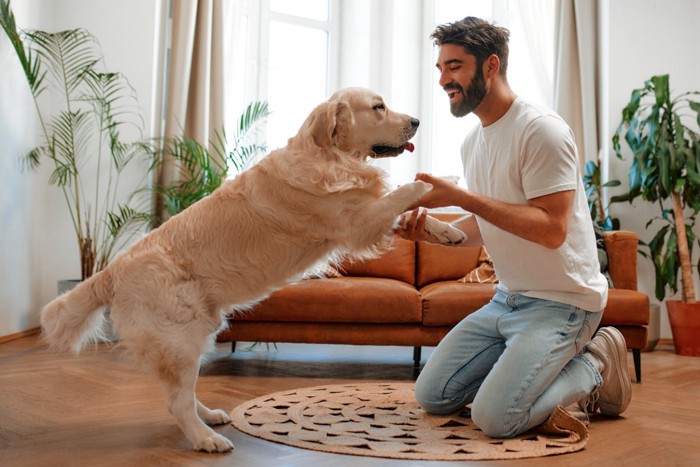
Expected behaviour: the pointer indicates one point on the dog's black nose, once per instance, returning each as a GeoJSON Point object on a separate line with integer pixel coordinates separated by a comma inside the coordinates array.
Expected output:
{"type": "Point", "coordinates": [415, 122]}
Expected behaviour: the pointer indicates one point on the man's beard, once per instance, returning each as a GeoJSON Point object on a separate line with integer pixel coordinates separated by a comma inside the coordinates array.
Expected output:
{"type": "Point", "coordinates": [470, 99]}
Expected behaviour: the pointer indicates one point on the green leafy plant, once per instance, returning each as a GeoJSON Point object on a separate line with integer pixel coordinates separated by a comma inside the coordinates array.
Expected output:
{"type": "Point", "coordinates": [64, 70]}
{"type": "Point", "coordinates": [592, 182]}
{"type": "Point", "coordinates": [203, 169]}
{"type": "Point", "coordinates": [662, 132]}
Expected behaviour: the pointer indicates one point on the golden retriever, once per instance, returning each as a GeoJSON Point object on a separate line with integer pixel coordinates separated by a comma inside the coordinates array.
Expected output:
{"type": "Point", "coordinates": [313, 201]}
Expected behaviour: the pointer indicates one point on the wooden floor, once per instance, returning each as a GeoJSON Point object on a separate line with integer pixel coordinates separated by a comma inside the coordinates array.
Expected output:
{"type": "Point", "coordinates": [95, 410]}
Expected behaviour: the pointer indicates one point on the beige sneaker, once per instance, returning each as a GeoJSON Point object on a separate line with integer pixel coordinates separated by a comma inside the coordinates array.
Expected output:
{"type": "Point", "coordinates": [614, 394]}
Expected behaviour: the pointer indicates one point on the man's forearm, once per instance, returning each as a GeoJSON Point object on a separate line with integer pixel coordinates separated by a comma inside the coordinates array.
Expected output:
{"type": "Point", "coordinates": [538, 223]}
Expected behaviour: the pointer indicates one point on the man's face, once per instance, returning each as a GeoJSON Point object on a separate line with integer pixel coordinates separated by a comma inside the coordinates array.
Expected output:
{"type": "Point", "coordinates": [461, 78]}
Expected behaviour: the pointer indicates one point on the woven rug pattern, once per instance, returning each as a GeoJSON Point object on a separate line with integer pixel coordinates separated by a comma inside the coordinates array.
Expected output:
{"type": "Point", "coordinates": [384, 420]}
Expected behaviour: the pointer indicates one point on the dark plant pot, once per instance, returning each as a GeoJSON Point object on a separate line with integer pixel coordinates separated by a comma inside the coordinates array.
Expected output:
{"type": "Point", "coordinates": [67, 285]}
{"type": "Point", "coordinates": [685, 326]}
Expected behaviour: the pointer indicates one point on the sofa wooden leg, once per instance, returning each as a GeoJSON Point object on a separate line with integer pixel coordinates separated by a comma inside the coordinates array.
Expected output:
{"type": "Point", "coordinates": [416, 356]}
{"type": "Point", "coordinates": [637, 357]}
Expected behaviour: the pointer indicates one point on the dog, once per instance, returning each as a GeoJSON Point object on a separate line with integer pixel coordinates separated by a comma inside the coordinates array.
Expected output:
{"type": "Point", "coordinates": [316, 200]}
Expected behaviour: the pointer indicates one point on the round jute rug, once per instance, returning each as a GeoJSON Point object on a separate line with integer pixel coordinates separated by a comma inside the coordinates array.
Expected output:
{"type": "Point", "coordinates": [384, 420]}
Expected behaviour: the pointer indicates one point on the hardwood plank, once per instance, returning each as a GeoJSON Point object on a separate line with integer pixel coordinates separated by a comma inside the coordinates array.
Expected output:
{"type": "Point", "coordinates": [95, 409]}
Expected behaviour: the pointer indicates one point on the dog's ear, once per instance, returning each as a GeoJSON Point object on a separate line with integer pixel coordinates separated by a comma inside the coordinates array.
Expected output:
{"type": "Point", "coordinates": [343, 123]}
{"type": "Point", "coordinates": [329, 122]}
{"type": "Point", "coordinates": [321, 124]}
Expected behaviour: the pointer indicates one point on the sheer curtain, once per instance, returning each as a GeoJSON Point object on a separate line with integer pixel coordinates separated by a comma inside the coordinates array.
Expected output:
{"type": "Point", "coordinates": [538, 31]}
{"type": "Point", "coordinates": [194, 98]}
{"type": "Point", "coordinates": [577, 73]}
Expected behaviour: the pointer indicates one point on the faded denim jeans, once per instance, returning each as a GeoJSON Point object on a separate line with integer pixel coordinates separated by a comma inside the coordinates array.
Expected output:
{"type": "Point", "coordinates": [515, 360]}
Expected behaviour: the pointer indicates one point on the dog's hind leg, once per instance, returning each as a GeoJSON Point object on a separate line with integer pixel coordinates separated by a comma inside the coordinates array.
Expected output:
{"type": "Point", "coordinates": [212, 417]}
{"type": "Point", "coordinates": [183, 404]}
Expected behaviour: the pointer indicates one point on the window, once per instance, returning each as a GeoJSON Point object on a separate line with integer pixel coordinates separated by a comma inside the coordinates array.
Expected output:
{"type": "Point", "coordinates": [293, 59]}
{"type": "Point", "coordinates": [530, 68]}
{"type": "Point", "coordinates": [289, 61]}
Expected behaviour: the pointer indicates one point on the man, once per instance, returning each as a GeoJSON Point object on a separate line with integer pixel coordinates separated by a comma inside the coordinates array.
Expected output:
{"type": "Point", "coordinates": [530, 348]}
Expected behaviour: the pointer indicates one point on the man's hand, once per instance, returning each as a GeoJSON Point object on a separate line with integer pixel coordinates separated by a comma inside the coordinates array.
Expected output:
{"type": "Point", "coordinates": [445, 192]}
{"type": "Point", "coordinates": [412, 226]}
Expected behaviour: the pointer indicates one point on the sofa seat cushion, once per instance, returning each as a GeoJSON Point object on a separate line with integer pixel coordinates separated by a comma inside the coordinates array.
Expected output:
{"type": "Point", "coordinates": [340, 300]}
{"type": "Point", "coordinates": [447, 303]}
{"type": "Point", "coordinates": [626, 307]}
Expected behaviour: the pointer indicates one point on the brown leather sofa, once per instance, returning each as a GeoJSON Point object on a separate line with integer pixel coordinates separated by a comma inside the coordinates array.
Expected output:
{"type": "Point", "coordinates": [412, 296]}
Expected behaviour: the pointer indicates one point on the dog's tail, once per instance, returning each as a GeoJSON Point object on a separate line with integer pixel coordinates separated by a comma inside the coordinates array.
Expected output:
{"type": "Point", "coordinates": [76, 318]}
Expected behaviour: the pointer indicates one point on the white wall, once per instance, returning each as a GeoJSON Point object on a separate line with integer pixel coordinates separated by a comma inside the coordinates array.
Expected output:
{"type": "Point", "coordinates": [37, 244]}
{"type": "Point", "coordinates": [649, 37]}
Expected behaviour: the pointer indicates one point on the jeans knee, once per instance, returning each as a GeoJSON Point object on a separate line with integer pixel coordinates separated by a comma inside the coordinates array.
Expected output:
{"type": "Point", "coordinates": [493, 423]}
{"type": "Point", "coordinates": [429, 398]}
{"type": "Point", "coordinates": [425, 396]}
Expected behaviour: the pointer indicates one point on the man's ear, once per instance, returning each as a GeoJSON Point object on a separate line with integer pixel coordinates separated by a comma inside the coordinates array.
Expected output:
{"type": "Point", "coordinates": [492, 65]}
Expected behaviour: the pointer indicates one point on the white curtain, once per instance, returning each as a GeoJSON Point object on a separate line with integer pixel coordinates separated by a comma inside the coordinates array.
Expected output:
{"type": "Point", "coordinates": [538, 29]}
{"type": "Point", "coordinates": [194, 99]}
{"type": "Point", "coordinates": [577, 72]}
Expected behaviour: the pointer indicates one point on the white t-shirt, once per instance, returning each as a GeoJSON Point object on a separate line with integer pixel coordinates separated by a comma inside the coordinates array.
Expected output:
{"type": "Point", "coordinates": [530, 152]}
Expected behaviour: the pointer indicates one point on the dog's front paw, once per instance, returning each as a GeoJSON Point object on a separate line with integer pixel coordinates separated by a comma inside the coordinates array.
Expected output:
{"type": "Point", "coordinates": [413, 191]}
{"type": "Point", "coordinates": [213, 442]}
{"type": "Point", "coordinates": [422, 187]}
{"type": "Point", "coordinates": [444, 232]}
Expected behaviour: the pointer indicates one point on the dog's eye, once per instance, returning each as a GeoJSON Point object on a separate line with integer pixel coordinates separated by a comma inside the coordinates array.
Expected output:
{"type": "Point", "coordinates": [379, 107]}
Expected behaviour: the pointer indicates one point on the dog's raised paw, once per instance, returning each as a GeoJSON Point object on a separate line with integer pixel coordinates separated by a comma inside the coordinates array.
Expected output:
{"type": "Point", "coordinates": [444, 232]}
{"type": "Point", "coordinates": [407, 194]}
{"type": "Point", "coordinates": [423, 187]}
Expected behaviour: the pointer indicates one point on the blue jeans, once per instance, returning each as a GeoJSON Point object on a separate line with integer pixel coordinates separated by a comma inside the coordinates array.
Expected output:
{"type": "Point", "coordinates": [514, 360]}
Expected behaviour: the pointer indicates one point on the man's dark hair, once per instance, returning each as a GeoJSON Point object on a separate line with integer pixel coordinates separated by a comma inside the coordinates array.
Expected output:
{"type": "Point", "coordinates": [478, 37]}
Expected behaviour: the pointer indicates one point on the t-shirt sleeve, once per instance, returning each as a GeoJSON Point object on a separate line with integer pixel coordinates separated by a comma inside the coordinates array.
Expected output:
{"type": "Point", "coordinates": [549, 161]}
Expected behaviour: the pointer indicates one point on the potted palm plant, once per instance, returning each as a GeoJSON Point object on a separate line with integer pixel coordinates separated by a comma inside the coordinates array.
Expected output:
{"type": "Point", "coordinates": [594, 185]}
{"type": "Point", "coordinates": [84, 113]}
{"type": "Point", "coordinates": [203, 168]}
{"type": "Point", "coordinates": [662, 132]}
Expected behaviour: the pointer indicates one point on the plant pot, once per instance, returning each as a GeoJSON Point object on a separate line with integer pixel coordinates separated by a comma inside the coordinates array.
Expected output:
{"type": "Point", "coordinates": [654, 327]}
{"type": "Point", "coordinates": [67, 285]}
{"type": "Point", "coordinates": [685, 326]}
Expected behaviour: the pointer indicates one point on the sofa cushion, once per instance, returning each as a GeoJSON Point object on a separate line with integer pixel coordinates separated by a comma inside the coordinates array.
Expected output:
{"type": "Point", "coordinates": [621, 247]}
{"type": "Point", "coordinates": [340, 300]}
{"type": "Point", "coordinates": [484, 272]}
{"type": "Point", "coordinates": [626, 307]}
{"type": "Point", "coordinates": [447, 303]}
{"type": "Point", "coordinates": [399, 263]}
{"type": "Point", "coordinates": [442, 263]}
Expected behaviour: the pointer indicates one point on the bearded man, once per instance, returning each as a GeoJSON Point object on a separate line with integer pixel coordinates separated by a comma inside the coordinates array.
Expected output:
{"type": "Point", "coordinates": [530, 348]}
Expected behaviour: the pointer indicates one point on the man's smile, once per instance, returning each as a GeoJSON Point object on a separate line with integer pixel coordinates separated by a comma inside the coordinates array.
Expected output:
{"type": "Point", "coordinates": [452, 93]}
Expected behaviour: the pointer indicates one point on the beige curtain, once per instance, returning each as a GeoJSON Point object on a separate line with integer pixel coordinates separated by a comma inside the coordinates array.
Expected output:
{"type": "Point", "coordinates": [577, 72]}
{"type": "Point", "coordinates": [194, 98]}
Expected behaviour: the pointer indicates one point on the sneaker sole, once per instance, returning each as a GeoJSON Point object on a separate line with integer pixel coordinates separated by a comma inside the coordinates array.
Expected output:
{"type": "Point", "coordinates": [620, 361]}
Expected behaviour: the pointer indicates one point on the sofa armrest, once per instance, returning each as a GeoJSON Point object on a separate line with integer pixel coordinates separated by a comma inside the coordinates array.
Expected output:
{"type": "Point", "coordinates": [621, 246]}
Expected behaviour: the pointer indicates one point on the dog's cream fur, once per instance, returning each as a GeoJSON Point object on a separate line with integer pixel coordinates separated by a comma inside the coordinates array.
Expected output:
{"type": "Point", "coordinates": [313, 201]}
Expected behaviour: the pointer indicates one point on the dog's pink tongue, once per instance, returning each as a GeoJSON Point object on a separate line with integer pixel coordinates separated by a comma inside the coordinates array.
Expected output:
{"type": "Point", "coordinates": [409, 147]}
